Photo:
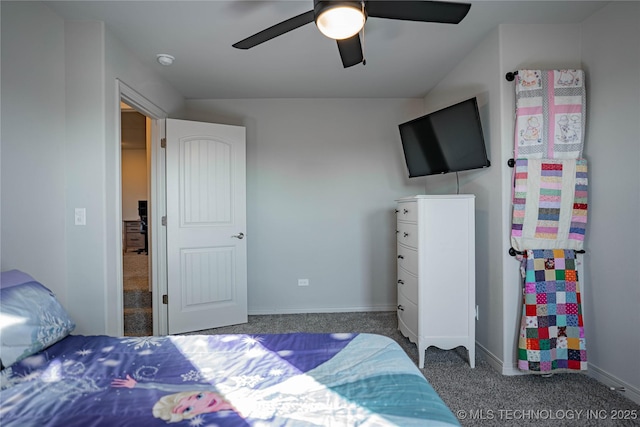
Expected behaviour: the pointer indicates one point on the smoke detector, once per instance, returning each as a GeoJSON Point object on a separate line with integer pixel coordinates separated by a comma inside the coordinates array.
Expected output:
{"type": "Point", "coordinates": [165, 59]}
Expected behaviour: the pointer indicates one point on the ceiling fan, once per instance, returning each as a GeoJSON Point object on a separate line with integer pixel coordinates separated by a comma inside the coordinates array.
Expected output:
{"type": "Point", "coordinates": [343, 20]}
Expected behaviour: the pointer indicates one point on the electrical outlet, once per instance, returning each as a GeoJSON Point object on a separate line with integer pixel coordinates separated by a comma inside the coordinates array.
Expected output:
{"type": "Point", "coordinates": [303, 282]}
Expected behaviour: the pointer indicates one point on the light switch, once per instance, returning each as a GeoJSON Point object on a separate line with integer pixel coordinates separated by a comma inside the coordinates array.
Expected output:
{"type": "Point", "coordinates": [81, 216]}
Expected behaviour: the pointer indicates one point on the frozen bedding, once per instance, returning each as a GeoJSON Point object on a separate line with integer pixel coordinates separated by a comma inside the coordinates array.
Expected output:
{"type": "Point", "coordinates": [297, 379]}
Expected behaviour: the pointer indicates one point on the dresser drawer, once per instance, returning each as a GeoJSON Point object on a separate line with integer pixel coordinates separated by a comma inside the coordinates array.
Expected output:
{"type": "Point", "coordinates": [408, 316]}
{"type": "Point", "coordinates": [408, 285]}
{"type": "Point", "coordinates": [407, 211]}
{"type": "Point", "coordinates": [132, 227]}
{"type": "Point", "coordinates": [135, 240]}
{"type": "Point", "coordinates": [408, 259]}
{"type": "Point", "coordinates": [407, 234]}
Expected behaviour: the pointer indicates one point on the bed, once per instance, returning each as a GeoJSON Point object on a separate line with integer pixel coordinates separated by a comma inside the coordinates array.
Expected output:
{"type": "Point", "coordinates": [51, 377]}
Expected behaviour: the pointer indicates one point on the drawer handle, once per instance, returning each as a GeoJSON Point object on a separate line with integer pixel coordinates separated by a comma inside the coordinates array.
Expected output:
{"type": "Point", "coordinates": [400, 257]}
{"type": "Point", "coordinates": [405, 211]}
{"type": "Point", "coordinates": [400, 307]}
{"type": "Point", "coordinates": [401, 282]}
{"type": "Point", "coordinates": [239, 236]}
{"type": "Point", "coordinates": [397, 211]}
{"type": "Point", "coordinates": [406, 234]}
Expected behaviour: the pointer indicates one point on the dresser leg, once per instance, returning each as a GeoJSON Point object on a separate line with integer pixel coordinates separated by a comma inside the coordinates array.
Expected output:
{"type": "Point", "coordinates": [421, 351]}
{"type": "Point", "coordinates": [472, 355]}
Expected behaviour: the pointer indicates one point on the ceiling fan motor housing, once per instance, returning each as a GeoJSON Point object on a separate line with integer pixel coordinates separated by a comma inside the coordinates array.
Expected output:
{"type": "Point", "coordinates": [320, 6]}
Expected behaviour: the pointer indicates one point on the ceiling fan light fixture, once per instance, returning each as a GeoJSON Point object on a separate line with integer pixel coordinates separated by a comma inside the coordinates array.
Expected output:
{"type": "Point", "coordinates": [340, 21]}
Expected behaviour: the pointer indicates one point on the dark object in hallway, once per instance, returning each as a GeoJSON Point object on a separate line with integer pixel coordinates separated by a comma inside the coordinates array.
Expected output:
{"type": "Point", "coordinates": [142, 212]}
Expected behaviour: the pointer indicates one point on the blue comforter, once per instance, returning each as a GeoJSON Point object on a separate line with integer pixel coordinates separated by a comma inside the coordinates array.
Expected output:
{"type": "Point", "coordinates": [222, 380]}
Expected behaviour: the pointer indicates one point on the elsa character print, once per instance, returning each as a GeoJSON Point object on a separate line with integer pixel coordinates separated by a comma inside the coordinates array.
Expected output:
{"type": "Point", "coordinates": [182, 405]}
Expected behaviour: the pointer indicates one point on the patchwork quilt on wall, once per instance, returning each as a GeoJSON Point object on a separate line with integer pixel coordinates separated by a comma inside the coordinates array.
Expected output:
{"type": "Point", "coordinates": [552, 330]}
{"type": "Point", "coordinates": [549, 204]}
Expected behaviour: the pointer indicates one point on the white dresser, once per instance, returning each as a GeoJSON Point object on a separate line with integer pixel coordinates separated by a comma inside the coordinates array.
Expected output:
{"type": "Point", "coordinates": [436, 272]}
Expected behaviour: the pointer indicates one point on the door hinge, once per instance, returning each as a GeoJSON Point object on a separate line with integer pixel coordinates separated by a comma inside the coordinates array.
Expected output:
{"type": "Point", "coordinates": [165, 299]}
{"type": "Point", "coordinates": [163, 142]}
{"type": "Point", "coordinates": [164, 221]}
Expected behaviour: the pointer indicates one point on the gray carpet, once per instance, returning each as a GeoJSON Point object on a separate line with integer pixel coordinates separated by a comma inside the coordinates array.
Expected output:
{"type": "Point", "coordinates": [135, 271]}
{"type": "Point", "coordinates": [138, 314]}
{"type": "Point", "coordinates": [480, 396]}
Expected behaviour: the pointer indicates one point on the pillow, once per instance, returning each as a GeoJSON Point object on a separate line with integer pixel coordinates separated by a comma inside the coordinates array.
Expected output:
{"type": "Point", "coordinates": [13, 278]}
{"type": "Point", "coordinates": [31, 318]}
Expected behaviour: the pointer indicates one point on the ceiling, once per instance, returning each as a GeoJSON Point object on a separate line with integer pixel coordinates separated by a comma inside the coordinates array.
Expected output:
{"type": "Point", "coordinates": [404, 59]}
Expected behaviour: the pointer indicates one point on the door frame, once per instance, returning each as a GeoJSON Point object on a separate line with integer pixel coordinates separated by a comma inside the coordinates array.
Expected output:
{"type": "Point", "coordinates": [157, 232]}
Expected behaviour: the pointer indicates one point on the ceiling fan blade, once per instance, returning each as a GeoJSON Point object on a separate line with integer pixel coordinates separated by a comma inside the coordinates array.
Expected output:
{"type": "Point", "coordinates": [350, 51]}
{"type": "Point", "coordinates": [276, 30]}
{"type": "Point", "coordinates": [424, 11]}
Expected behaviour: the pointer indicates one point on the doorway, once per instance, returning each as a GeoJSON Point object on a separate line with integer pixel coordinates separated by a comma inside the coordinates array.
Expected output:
{"type": "Point", "coordinates": [156, 209]}
{"type": "Point", "coordinates": [135, 181]}
{"type": "Point", "coordinates": [159, 221]}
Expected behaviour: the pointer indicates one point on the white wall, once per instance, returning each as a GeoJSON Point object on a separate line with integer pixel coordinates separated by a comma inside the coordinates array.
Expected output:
{"type": "Point", "coordinates": [62, 77]}
{"type": "Point", "coordinates": [33, 144]}
{"type": "Point", "coordinates": [322, 177]}
{"type": "Point", "coordinates": [134, 182]}
{"type": "Point", "coordinates": [611, 58]}
{"type": "Point", "coordinates": [133, 158]}
{"type": "Point", "coordinates": [478, 75]}
{"type": "Point", "coordinates": [85, 172]}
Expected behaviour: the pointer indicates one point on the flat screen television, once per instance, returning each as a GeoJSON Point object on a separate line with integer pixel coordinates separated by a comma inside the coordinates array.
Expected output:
{"type": "Point", "coordinates": [447, 140]}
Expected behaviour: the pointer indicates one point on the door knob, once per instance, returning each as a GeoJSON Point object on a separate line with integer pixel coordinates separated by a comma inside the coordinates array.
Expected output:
{"type": "Point", "coordinates": [239, 236]}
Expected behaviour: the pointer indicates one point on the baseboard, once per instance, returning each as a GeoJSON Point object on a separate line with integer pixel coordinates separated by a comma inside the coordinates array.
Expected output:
{"type": "Point", "coordinates": [497, 364]}
{"type": "Point", "coordinates": [493, 360]}
{"type": "Point", "coordinates": [260, 312]}
{"type": "Point", "coordinates": [512, 370]}
{"type": "Point", "coordinates": [611, 381]}
{"type": "Point", "coordinates": [598, 374]}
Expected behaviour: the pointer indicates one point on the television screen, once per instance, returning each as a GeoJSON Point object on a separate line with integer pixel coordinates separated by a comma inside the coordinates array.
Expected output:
{"type": "Point", "coordinates": [447, 140]}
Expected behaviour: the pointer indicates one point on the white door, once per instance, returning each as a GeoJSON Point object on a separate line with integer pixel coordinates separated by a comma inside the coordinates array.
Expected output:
{"type": "Point", "coordinates": [206, 225]}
